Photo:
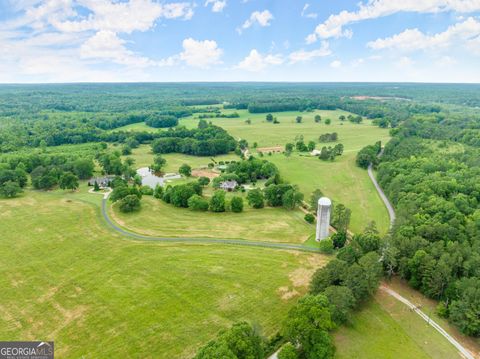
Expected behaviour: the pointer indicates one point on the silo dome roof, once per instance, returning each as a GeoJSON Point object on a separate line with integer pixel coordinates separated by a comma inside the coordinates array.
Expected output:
{"type": "Point", "coordinates": [324, 201]}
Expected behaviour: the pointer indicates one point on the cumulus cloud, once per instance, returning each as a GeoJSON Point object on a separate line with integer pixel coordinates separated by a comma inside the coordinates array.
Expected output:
{"type": "Point", "coordinates": [217, 5]}
{"type": "Point", "coordinates": [256, 62]}
{"type": "Point", "coordinates": [302, 55]}
{"type": "Point", "coordinates": [464, 33]}
{"type": "Point", "coordinates": [106, 45]}
{"type": "Point", "coordinates": [63, 38]}
{"type": "Point", "coordinates": [126, 17]}
{"type": "Point", "coordinates": [334, 25]}
{"type": "Point", "coordinates": [200, 53]}
{"type": "Point", "coordinates": [262, 18]}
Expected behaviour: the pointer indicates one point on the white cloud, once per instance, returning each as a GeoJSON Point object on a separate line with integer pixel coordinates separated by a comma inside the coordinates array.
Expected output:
{"type": "Point", "coordinates": [262, 18]}
{"type": "Point", "coordinates": [336, 64]}
{"type": "Point", "coordinates": [302, 55]}
{"type": "Point", "coordinates": [126, 17]}
{"type": "Point", "coordinates": [310, 15]}
{"type": "Point", "coordinates": [200, 53]}
{"type": "Point", "coordinates": [106, 45]}
{"type": "Point", "coordinates": [334, 25]}
{"type": "Point", "coordinates": [217, 5]}
{"type": "Point", "coordinates": [464, 33]}
{"type": "Point", "coordinates": [256, 62]}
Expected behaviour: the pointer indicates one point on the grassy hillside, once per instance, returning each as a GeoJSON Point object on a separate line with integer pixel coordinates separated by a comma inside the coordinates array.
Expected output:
{"type": "Point", "coordinates": [157, 218]}
{"type": "Point", "coordinates": [99, 295]}
{"type": "Point", "coordinates": [340, 180]}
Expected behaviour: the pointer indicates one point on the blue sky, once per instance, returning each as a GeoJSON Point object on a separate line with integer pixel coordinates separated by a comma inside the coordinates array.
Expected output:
{"type": "Point", "coordinates": [239, 40]}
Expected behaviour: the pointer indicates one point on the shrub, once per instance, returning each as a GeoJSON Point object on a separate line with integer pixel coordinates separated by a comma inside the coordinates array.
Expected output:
{"type": "Point", "coordinates": [310, 218]}
{"type": "Point", "coordinates": [146, 190]}
{"type": "Point", "coordinates": [339, 239]}
{"type": "Point", "coordinates": [326, 246]}
{"type": "Point", "coordinates": [130, 203]}
{"type": "Point", "coordinates": [237, 204]}
{"type": "Point", "coordinates": [255, 198]}
{"type": "Point", "coordinates": [288, 351]}
{"type": "Point", "coordinates": [217, 202]}
{"type": "Point", "coordinates": [203, 181]}
{"type": "Point", "coordinates": [197, 203]}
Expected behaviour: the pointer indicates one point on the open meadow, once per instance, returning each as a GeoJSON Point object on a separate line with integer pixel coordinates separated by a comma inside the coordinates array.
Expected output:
{"type": "Point", "coordinates": [99, 295]}
{"type": "Point", "coordinates": [157, 218]}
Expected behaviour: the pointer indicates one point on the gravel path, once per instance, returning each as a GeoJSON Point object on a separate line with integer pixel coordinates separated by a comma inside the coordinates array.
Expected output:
{"type": "Point", "coordinates": [464, 352]}
{"type": "Point", "coordinates": [391, 211]}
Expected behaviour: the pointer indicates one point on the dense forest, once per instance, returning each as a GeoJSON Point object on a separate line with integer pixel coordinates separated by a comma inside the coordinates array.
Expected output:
{"type": "Point", "coordinates": [430, 171]}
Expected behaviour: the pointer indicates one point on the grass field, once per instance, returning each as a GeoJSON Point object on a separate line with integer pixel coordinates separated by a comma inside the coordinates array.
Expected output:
{"type": "Point", "coordinates": [340, 180]}
{"type": "Point", "coordinates": [386, 328]}
{"type": "Point", "coordinates": [97, 295]}
{"type": "Point", "coordinates": [140, 126]}
{"type": "Point", "coordinates": [143, 157]}
{"type": "Point", "coordinates": [157, 218]}
{"type": "Point", "coordinates": [353, 136]}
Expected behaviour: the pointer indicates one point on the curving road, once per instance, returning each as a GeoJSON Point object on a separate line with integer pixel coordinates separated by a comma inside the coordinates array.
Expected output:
{"type": "Point", "coordinates": [239, 242]}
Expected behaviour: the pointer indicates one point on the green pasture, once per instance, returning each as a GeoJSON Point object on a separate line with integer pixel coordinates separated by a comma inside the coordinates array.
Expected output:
{"type": "Point", "coordinates": [266, 134]}
{"type": "Point", "coordinates": [156, 218]}
{"type": "Point", "coordinates": [340, 180]}
{"type": "Point", "coordinates": [386, 328]}
{"type": "Point", "coordinates": [66, 277]}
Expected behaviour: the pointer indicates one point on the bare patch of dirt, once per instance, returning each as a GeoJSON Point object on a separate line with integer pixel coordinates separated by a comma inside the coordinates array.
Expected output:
{"type": "Point", "coordinates": [270, 149]}
{"type": "Point", "coordinates": [300, 277]}
{"type": "Point", "coordinates": [286, 294]}
{"type": "Point", "coordinates": [205, 173]}
{"type": "Point", "coordinates": [48, 295]}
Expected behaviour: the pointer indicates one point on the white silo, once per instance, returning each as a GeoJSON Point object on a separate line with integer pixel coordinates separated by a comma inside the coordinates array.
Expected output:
{"type": "Point", "coordinates": [323, 218]}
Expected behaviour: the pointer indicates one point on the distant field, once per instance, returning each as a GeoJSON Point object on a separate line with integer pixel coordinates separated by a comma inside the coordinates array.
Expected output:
{"type": "Point", "coordinates": [157, 218]}
{"type": "Point", "coordinates": [353, 136]}
{"type": "Point", "coordinates": [143, 157]}
{"type": "Point", "coordinates": [140, 126]}
{"type": "Point", "coordinates": [101, 296]}
{"type": "Point", "coordinates": [386, 328]}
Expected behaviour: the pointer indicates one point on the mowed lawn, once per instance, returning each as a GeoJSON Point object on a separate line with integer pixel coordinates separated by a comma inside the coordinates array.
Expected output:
{"type": "Point", "coordinates": [156, 218]}
{"type": "Point", "coordinates": [340, 180]}
{"type": "Point", "coordinates": [66, 277]}
{"type": "Point", "coordinates": [386, 328]}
